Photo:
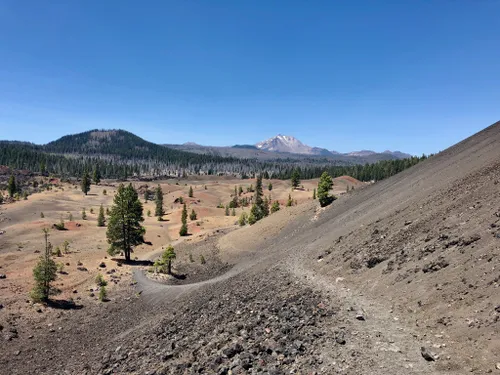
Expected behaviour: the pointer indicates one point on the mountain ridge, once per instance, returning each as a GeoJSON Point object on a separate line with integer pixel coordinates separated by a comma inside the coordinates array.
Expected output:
{"type": "Point", "coordinates": [289, 144]}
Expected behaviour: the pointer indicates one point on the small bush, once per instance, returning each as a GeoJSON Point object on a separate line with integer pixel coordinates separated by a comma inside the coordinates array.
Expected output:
{"type": "Point", "coordinates": [84, 215]}
{"type": "Point", "coordinates": [70, 217]}
{"type": "Point", "coordinates": [60, 225]}
{"type": "Point", "coordinates": [60, 267]}
{"type": "Point", "coordinates": [202, 259]}
{"type": "Point", "coordinates": [191, 259]}
{"type": "Point", "coordinates": [149, 213]}
{"type": "Point", "coordinates": [104, 192]}
{"type": "Point", "coordinates": [99, 280]}
{"type": "Point", "coordinates": [57, 252]}
{"type": "Point", "coordinates": [42, 215]}
{"type": "Point", "coordinates": [91, 210]}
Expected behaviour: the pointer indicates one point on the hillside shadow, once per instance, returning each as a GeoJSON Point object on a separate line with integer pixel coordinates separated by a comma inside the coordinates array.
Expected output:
{"type": "Point", "coordinates": [137, 262]}
{"type": "Point", "coordinates": [178, 276]}
{"type": "Point", "coordinates": [63, 304]}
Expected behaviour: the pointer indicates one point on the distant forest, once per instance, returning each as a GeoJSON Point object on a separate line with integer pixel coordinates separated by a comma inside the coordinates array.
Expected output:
{"type": "Point", "coordinates": [119, 155]}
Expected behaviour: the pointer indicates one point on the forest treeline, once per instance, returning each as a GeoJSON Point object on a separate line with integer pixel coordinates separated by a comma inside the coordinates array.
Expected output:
{"type": "Point", "coordinates": [119, 155]}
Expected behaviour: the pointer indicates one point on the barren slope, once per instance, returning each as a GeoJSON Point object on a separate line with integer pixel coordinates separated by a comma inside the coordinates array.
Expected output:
{"type": "Point", "coordinates": [356, 288]}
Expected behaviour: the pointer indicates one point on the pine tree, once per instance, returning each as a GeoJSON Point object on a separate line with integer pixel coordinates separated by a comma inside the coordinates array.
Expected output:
{"type": "Point", "coordinates": [124, 224]}
{"type": "Point", "coordinates": [295, 179]}
{"type": "Point", "coordinates": [270, 187]}
{"type": "Point", "coordinates": [184, 228]}
{"type": "Point", "coordinates": [159, 211]}
{"type": "Point", "coordinates": [324, 186]}
{"type": "Point", "coordinates": [193, 215]}
{"type": "Point", "coordinates": [1, 198]}
{"type": "Point", "coordinates": [289, 202]}
{"type": "Point", "coordinates": [227, 211]}
{"type": "Point", "coordinates": [85, 184]}
{"type": "Point", "coordinates": [84, 214]}
{"type": "Point", "coordinates": [147, 196]}
{"type": "Point", "coordinates": [259, 210]}
{"type": "Point", "coordinates": [103, 294]}
{"type": "Point", "coordinates": [96, 176]}
{"type": "Point", "coordinates": [265, 207]}
{"type": "Point", "coordinates": [167, 257]}
{"type": "Point", "coordinates": [275, 207]}
{"type": "Point", "coordinates": [240, 190]}
{"type": "Point", "coordinates": [11, 186]}
{"type": "Point", "coordinates": [233, 212]}
{"type": "Point", "coordinates": [190, 194]}
{"type": "Point", "coordinates": [314, 193]}
{"type": "Point", "coordinates": [101, 219]}
{"type": "Point", "coordinates": [44, 273]}
{"type": "Point", "coordinates": [243, 219]}
{"type": "Point", "coordinates": [251, 218]}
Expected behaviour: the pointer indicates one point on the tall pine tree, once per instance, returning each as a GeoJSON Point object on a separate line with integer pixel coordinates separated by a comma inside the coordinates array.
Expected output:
{"type": "Point", "coordinates": [159, 211]}
{"type": "Point", "coordinates": [324, 186]}
{"type": "Point", "coordinates": [101, 220]}
{"type": "Point", "coordinates": [184, 228]}
{"type": "Point", "coordinates": [44, 273]}
{"type": "Point", "coordinates": [11, 186]}
{"type": "Point", "coordinates": [85, 184]}
{"type": "Point", "coordinates": [96, 175]}
{"type": "Point", "coordinates": [124, 225]}
{"type": "Point", "coordinates": [295, 178]}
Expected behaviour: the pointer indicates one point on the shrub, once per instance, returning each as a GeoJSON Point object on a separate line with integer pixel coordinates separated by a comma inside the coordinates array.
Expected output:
{"type": "Point", "coordinates": [275, 207]}
{"type": "Point", "coordinates": [57, 252]}
{"type": "Point", "coordinates": [42, 215]}
{"type": "Point", "coordinates": [104, 192]}
{"type": "Point", "coordinates": [202, 259]}
{"type": "Point", "coordinates": [60, 267]}
{"type": "Point", "coordinates": [193, 216]}
{"type": "Point", "coordinates": [191, 259]}
{"type": "Point", "coordinates": [103, 294]}
{"type": "Point", "coordinates": [99, 280]}
{"type": "Point", "coordinates": [70, 217]}
{"type": "Point", "coordinates": [60, 225]}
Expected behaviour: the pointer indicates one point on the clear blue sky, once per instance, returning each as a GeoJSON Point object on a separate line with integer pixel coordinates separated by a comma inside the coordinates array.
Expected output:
{"type": "Point", "coordinates": [416, 76]}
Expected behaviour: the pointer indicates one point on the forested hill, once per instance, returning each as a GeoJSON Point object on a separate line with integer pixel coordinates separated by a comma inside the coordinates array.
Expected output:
{"type": "Point", "coordinates": [120, 154]}
{"type": "Point", "coordinates": [127, 146]}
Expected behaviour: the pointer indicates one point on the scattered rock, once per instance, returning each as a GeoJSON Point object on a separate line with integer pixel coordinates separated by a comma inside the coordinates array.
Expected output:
{"type": "Point", "coordinates": [3, 276]}
{"type": "Point", "coordinates": [408, 222]}
{"type": "Point", "coordinates": [360, 315]}
{"type": "Point", "coordinates": [436, 265]}
{"type": "Point", "coordinates": [102, 265]}
{"type": "Point", "coordinates": [428, 355]}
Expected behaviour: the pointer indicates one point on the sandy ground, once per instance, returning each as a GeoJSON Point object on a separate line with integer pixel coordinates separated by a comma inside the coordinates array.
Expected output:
{"type": "Point", "coordinates": [22, 224]}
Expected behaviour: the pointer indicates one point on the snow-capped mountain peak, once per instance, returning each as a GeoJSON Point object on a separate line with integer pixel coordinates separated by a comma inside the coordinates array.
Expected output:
{"type": "Point", "coordinates": [284, 143]}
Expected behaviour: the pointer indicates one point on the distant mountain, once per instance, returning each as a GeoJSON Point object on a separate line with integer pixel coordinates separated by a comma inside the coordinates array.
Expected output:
{"type": "Point", "coordinates": [361, 153]}
{"type": "Point", "coordinates": [289, 144]}
{"type": "Point", "coordinates": [398, 154]}
{"type": "Point", "coordinates": [250, 147]}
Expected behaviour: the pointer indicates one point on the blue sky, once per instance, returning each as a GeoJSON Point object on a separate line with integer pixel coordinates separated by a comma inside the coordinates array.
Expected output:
{"type": "Point", "coordinates": [416, 76]}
